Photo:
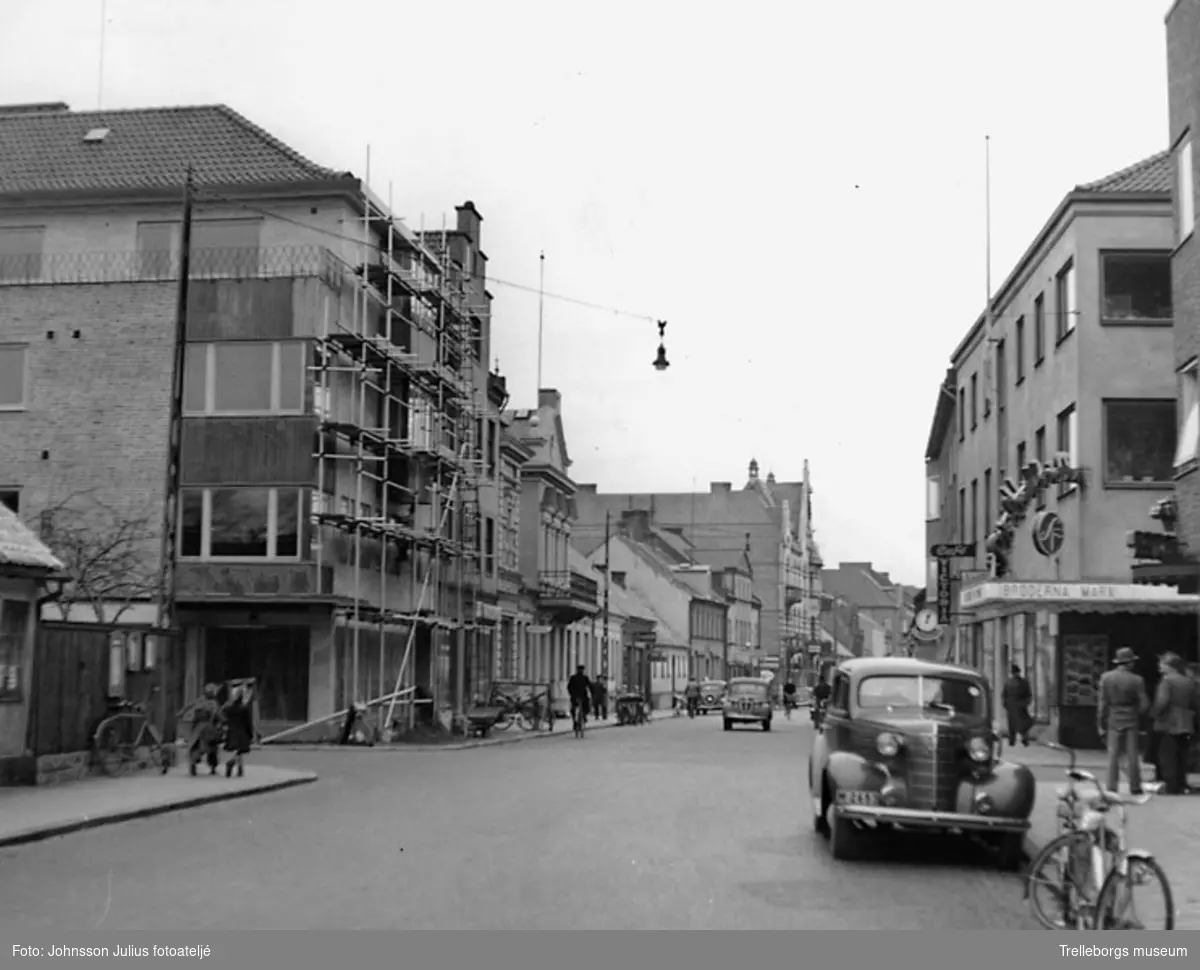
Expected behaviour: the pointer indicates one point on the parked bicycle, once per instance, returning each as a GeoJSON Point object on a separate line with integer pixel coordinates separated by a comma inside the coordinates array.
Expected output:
{"type": "Point", "coordinates": [121, 738]}
{"type": "Point", "coordinates": [1088, 868]}
{"type": "Point", "coordinates": [525, 712]}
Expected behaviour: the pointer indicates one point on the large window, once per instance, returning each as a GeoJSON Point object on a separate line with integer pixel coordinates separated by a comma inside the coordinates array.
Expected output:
{"type": "Point", "coordinates": [1039, 329]}
{"type": "Point", "coordinates": [239, 523]}
{"type": "Point", "coordinates": [1139, 442]}
{"type": "Point", "coordinates": [220, 247]}
{"type": "Point", "coordinates": [1066, 305]}
{"type": "Point", "coordinates": [1020, 349]}
{"type": "Point", "coordinates": [21, 253]}
{"type": "Point", "coordinates": [1136, 288]}
{"type": "Point", "coordinates": [974, 401]}
{"type": "Point", "coordinates": [933, 498]}
{"type": "Point", "coordinates": [1068, 443]}
{"type": "Point", "coordinates": [244, 377]}
{"type": "Point", "coordinates": [14, 625]}
{"type": "Point", "coordinates": [1187, 449]}
{"type": "Point", "coordinates": [1185, 190]}
{"type": "Point", "coordinates": [13, 377]}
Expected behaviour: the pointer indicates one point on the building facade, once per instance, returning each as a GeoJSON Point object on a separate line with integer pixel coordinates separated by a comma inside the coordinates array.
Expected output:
{"type": "Point", "coordinates": [330, 572]}
{"type": "Point", "coordinates": [1053, 437]}
{"type": "Point", "coordinates": [886, 605]}
{"type": "Point", "coordinates": [1182, 555]}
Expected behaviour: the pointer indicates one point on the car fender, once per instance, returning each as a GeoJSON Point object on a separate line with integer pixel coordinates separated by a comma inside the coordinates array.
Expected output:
{"type": "Point", "coordinates": [1011, 787]}
{"type": "Point", "coordinates": [1142, 855]}
{"type": "Point", "coordinates": [851, 772]}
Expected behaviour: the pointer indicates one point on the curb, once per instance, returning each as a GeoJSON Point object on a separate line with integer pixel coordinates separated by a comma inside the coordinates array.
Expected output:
{"type": "Point", "coordinates": [82, 824]}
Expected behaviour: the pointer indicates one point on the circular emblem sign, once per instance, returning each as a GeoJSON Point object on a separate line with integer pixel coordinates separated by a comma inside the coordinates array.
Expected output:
{"type": "Point", "coordinates": [926, 621]}
{"type": "Point", "coordinates": [1048, 533]}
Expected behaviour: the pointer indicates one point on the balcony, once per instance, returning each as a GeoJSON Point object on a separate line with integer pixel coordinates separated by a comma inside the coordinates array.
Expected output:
{"type": "Point", "coordinates": [567, 596]}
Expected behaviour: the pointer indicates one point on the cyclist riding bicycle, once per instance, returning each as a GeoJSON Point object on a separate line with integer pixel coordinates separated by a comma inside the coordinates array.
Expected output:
{"type": "Point", "coordinates": [789, 698]}
{"type": "Point", "coordinates": [579, 689]}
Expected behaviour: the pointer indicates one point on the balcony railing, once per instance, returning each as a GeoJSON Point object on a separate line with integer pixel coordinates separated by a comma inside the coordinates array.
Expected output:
{"type": "Point", "coordinates": [566, 584]}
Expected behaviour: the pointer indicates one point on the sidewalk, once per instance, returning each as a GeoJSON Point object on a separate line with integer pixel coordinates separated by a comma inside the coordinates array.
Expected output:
{"type": "Point", "coordinates": [1165, 826]}
{"type": "Point", "coordinates": [30, 814]}
{"type": "Point", "coordinates": [562, 729]}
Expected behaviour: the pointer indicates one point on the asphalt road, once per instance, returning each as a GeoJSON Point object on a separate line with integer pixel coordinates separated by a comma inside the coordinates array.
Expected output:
{"type": "Point", "coordinates": [674, 825]}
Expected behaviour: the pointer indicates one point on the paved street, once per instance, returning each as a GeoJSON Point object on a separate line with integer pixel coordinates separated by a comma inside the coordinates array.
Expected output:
{"type": "Point", "coordinates": [674, 825]}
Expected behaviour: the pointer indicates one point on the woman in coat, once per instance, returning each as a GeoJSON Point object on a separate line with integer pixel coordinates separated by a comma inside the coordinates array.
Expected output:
{"type": "Point", "coordinates": [239, 727]}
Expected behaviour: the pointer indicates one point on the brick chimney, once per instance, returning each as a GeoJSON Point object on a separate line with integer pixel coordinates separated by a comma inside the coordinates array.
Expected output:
{"type": "Point", "coordinates": [720, 488]}
{"type": "Point", "coordinates": [548, 397]}
{"type": "Point", "coordinates": [636, 524]}
{"type": "Point", "coordinates": [468, 221]}
{"type": "Point", "coordinates": [585, 489]}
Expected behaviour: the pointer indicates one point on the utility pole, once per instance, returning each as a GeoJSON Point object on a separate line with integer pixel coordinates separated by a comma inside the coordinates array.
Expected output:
{"type": "Point", "coordinates": [166, 585]}
{"type": "Point", "coordinates": [607, 580]}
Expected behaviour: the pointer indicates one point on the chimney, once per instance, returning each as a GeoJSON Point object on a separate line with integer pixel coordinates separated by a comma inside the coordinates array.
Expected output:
{"type": "Point", "coordinates": [636, 523]}
{"type": "Point", "coordinates": [720, 488]}
{"type": "Point", "coordinates": [585, 489]}
{"type": "Point", "coordinates": [548, 397]}
{"type": "Point", "coordinates": [468, 220]}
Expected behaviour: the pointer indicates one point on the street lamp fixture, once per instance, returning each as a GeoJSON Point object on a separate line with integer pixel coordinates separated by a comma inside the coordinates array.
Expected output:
{"type": "Point", "coordinates": [660, 361]}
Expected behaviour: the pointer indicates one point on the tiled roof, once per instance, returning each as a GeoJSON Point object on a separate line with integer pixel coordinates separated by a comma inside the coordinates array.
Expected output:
{"type": "Point", "coordinates": [146, 148]}
{"type": "Point", "coordinates": [1153, 174]}
{"type": "Point", "coordinates": [20, 547]}
{"type": "Point", "coordinates": [856, 583]}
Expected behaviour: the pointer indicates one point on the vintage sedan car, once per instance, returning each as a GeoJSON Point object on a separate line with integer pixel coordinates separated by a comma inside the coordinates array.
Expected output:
{"type": "Point", "coordinates": [747, 701]}
{"type": "Point", "coordinates": [712, 692]}
{"type": "Point", "coordinates": [910, 745]}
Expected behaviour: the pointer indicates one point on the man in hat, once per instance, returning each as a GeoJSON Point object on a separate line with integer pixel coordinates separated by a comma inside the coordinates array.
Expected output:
{"type": "Point", "coordinates": [1017, 697]}
{"type": "Point", "coordinates": [1174, 712]}
{"type": "Point", "coordinates": [1123, 701]}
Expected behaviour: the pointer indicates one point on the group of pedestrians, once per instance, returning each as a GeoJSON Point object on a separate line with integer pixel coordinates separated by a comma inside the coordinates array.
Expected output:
{"type": "Point", "coordinates": [222, 715]}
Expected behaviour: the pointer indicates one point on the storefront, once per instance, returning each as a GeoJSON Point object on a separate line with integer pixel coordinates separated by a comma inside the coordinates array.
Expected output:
{"type": "Point", "coordinates": [1063, 635]}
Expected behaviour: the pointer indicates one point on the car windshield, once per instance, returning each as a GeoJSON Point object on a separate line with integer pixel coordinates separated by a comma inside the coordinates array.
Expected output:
{"type": "Point", "coordinates": [948, 695]}
{"type": "Point", "coordinates": [747, 690]}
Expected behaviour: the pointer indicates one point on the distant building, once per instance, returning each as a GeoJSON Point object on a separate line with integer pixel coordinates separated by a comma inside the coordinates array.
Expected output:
{"type": "Point", "coordinates": [874, 594]}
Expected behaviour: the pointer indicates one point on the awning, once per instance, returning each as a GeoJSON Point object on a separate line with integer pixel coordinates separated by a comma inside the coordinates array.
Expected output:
{"type": "Point", "coordinates": [998, 598]}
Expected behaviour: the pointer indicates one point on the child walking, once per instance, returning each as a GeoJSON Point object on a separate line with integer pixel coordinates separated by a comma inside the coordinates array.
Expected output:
{"type": "Point", "coordinates": [238, 715]}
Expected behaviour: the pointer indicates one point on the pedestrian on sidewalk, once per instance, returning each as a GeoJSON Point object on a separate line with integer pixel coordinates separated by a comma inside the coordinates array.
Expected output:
{"type": "Point", "coordinates": [1174, 712]}
{"type": "Point", "coordinates": [204, 716]}
{"type": "Point", "coordinates": [238, 716]}
{"type": "Point", "coordinates": [599, 699]}
{"type": "Point", "coordinates": [1123, 701]}
{"type": "Point", "coordinates": [1017, 697]}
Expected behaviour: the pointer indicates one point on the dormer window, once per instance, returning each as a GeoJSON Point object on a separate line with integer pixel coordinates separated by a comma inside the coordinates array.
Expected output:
{"type": "Point", "coordinates": [96, 135]}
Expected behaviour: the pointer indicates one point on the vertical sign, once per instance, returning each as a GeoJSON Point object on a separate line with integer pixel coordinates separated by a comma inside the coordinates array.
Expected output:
{"type": "Point", "coordinates": [943, 591]}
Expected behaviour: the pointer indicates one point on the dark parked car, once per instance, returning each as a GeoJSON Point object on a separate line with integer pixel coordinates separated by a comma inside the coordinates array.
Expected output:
{"type": "Point", "coordinates": [712, 692]}
{"type": "Point", "coordinates": [910, 745]}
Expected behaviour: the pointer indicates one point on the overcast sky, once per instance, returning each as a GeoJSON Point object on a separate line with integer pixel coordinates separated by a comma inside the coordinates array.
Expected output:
{"type": "Point", "coordinates": [796, 187]}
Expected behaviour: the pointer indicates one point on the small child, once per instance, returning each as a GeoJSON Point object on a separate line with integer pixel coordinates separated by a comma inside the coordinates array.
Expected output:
{"type": "Point", "coordinates": [206, 730]}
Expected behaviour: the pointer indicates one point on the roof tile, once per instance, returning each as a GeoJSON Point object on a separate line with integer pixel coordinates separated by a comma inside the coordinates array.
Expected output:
{"type": "Point", "coordinates": [20, 547]}
{"type": "Point", "coordinates": [1153, 174]}
{"type": "Point", "coordinates": [146, 148]}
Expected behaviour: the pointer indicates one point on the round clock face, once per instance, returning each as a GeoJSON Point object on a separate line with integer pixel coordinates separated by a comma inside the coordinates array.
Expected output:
{"type": "Point", "coordinates": [927, 621]}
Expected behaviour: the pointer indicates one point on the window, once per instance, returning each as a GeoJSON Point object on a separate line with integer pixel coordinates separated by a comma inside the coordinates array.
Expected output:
{"type": "Point", "coordinates": [962, 515]}
{"type": "Point", "coordinates": [1139, 442]}
{"type": "Point", "coordinates": [10, 498]}
{"type": "Point", "coordinates": [949, 695]}
{"type": "Point", "coordinates": [933, 498]}
{"type": "Point", "coordinates": [1185, 191]}
{"type": "Point", "coordinates": [1064, 300]}
{"type": "Point", "coordinates": [14, 627]}
{"type": "Point", "coordinates": [1020, 349]}
{"type": "Point", "coordinates": [1020, 458]}
{"type": "Point", "coordinates": [244, 377]}
{"type": "Point", "coordinates": [974, 401]}
{"type": "Point", "coordinates": [220, 247]}
{"type": "Point", "coordinates": [493, 450]}
{"type": "Point", "coordinates": [21, 250]}
{"type": "Point", "coordinates": [13, 377]}
{"type": "Point", "coordinates": [974, 510]}
{"type": "Point", "coordinates": [1039, 329]}
{"type": "Point", "coordinates": [1187, 449]}
{"type": "Point", "coordinates": [962, 414]}
{"type": "Point", "coordinates": [1039, 453]}
{"type": "Point", "coordinates": [1068, 433]}
{"type": "Point", "coordinates": [239, 523]}
{"type": "Point", "coordinates": [1135, 288]}
{"type": "Point", "coordinates": [987, 501]}
{"type": "Point", "coordinates": [489, 547]}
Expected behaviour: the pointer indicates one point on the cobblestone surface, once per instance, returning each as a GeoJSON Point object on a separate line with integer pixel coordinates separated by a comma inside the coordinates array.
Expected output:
{"type": "Point", "coordinates": [678, 825]}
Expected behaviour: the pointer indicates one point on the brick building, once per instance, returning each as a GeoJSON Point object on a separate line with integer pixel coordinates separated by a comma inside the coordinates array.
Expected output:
{"type": "Point", "coordinates": [340, 440]}
{"type": "Point", "coordinates": [1053, 439]}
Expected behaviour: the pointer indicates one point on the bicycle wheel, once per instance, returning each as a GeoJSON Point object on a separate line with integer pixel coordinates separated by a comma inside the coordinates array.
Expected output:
{"type": "Point", "coordinates": [1114, 907]}
{"type": "Point", "coordinates": [504, 720]}
{"type": "Point", "coordinates": [1058, 881]}
{"type": "Point", "coordinates": [111, 752]}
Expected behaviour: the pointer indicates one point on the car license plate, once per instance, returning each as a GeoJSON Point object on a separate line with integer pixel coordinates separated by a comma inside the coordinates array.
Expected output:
{"type": "Point", "coordinates": [858, 798]}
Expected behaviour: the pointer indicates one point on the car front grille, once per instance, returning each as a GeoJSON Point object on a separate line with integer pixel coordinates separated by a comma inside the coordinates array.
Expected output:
{"type": "Point", "coordinates": [932, 762]}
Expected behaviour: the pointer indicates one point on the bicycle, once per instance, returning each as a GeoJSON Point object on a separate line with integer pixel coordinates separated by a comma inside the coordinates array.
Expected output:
{"type": "Point", "coordinates": [514, 710]}
{"type": "Point", "coordinates": [1099, 870]}
{"type": "Point", "coordinates": [114, 748]}
{"type": "Point", "coordinates": [578, 719]}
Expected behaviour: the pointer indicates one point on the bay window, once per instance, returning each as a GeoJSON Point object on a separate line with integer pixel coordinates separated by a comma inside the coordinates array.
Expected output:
{"type": "Point", "coordinates": [1187, 447]}
{"type": "Point", "coordinates": [244, 377]}
{"type": "Point", "coordinates": [239, 523]}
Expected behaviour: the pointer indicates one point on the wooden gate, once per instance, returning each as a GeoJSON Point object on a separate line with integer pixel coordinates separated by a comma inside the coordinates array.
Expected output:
{"type": "Point", "coordinates": [73, 681]}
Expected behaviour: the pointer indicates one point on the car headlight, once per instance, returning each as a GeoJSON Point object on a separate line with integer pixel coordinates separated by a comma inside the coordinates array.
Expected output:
{"type": "Point", "coordinates": [887, 744]}
{"type": "Point", "coordinates": [980, 749]}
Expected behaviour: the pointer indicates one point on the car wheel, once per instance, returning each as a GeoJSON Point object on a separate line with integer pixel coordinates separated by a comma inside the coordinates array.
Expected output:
{"type": "Point", "coordinates": [767, 724]}
{"type": "Point", "coordinates": [820, 808]}
{"type": "Point", "coordinates": [845, 839]}
{"type": "Point", "coordinates": [1010, 851]}
{"type": "Point", "coordinates": [728, 724]}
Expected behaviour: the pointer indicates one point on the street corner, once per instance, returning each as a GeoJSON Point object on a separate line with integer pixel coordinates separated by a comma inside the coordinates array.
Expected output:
{"type": "Point", "coordinates": [38, 813]}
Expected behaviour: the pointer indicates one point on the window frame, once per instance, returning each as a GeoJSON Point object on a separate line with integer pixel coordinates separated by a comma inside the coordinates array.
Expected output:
{"type": "Point", "coordinates": [962, 414]}
{"type": "Point", "coordinates": [962, 514]}
{"type": "Point", "coordinates": [987, 502]}
{"type": "Point", "coordinates": [1019, 351]}
{"type": "Point", "coordinates": [974, 400]}
{"type": "Point", "coordinates": [1185, 190]}
{"type": "Point", "coordinates": [13, 655]}
{"type": "Point", "coordinates": [1188, 376]}
{"type": "Point", "coordinates": [1143, 254]}
{"type": "Point", "coordinates": [35, 272]}
{"type": "Point", "coordinates": [1071, 413]}
{"type": "Point", "coordinates": [205, 554]}
{"type": "Point", "coordinates": [1121, 484]}
{"type": "Point", "coordinates": [1066, 290]}
{"type": "Point", "coordinates": [1039, 329]}
{"type": "Point", "coordinates": [1039, 454]}
{"type": "Point", "coordinates": [933, 498]}
{"type": "Point", "coordinates": [209, 409]}
{"type": "Point", "coordinates": [1022, 456]}
{"type": "Point", "coordinates": [22, 403]}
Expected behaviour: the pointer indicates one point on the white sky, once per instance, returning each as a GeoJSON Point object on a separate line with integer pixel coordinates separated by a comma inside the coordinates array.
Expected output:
{"type": "Point", "coordinates": [796, 187]}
